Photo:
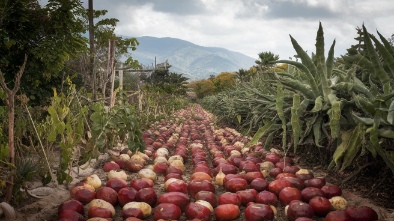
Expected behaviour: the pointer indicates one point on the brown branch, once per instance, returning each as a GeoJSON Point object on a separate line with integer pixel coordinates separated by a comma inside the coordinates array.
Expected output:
{"type": "Point", "coordinates": [93, 101]}
{"type": "Point", "coordinates": [3, 84]}
{"type": "Point", "coordinates": [17, 79]}
{"type": "Point", "coordinates": [19, 76]}
{"type": "Point", "coordinates": [10, 102]}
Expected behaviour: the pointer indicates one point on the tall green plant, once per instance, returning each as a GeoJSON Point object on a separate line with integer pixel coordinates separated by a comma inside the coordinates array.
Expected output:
{"type": "Point", "coordinates": [154, 105]}
{"type": "Point", "coordinates": [313, 83]}
{"type": "Point", "coordinates": [376, 105]}
{"type": "Point", "coordinates": [249, 106]}
{"type": "Point", "coordinates": [66, 128]}
{"type": "Point", "coordinates": [112, 125]}
{"type": "Point", "coordinates": [339, 94]}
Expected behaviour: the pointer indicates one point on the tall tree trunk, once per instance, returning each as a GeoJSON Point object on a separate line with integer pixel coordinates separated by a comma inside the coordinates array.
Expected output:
{"type": "Point", "coordinates": [11, 146]}
{"type": "Point", "coordinates": [10, 102]}
{"type": "Point", "coordinates": [92, 51]}
{"type": "Point", "coordinates": [112, 72]}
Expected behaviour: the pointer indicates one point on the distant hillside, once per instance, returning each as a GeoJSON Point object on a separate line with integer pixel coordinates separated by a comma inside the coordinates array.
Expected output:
{"type": "Point", "coordinates": [194, 61]}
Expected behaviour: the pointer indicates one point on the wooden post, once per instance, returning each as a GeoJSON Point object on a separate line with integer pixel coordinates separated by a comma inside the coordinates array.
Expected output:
{"type": "Point", "coordinates": [111, 70]}
{"type": "Point", "coordinates": [92, 51]}
{"type": "Point", "coordinates": [121, 83]}
{"type": "Point", "coordinates": [121, 80]}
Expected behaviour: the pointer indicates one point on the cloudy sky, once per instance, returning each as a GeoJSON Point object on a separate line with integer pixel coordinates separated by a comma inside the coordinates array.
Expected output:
{"type": "Point", "coordinates": [251, 26]}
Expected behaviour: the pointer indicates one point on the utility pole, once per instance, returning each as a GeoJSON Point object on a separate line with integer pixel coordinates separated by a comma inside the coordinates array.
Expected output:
{"type": "Point", "coordinates": [92, 51]}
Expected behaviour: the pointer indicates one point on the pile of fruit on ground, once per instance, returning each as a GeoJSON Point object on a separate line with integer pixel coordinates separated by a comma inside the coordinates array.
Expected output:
{"type": "Point", "coordinates": [191, 170]}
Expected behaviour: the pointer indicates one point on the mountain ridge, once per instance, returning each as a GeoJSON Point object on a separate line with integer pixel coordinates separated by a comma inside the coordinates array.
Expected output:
{"type": "Point", "coordinates": [194, 61]}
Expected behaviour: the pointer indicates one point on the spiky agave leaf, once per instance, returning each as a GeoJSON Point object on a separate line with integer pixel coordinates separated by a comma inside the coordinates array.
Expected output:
{"type": "Point", "coordinates": [377, 65]}
{"type": "Point", "coordinates": [317, 129]}
{"type": "Point", "coordinates": [340, 150]}
{"type": "Point", "coordinates": [353, 145]}
{"type": "Point", "coordinates": [260, 133]}
{"type": "Point", "coordinates": [349, 147]}
{"type": "Point", "coordinates": [320, 57]}
{"type": "Point", "coordinates": [364, 104]}
{"type": "Point", "coordinates": [321, 63]}
{"type": "Point", "coordinates": [335, 116]}
{"type": "Point", "coordinates": [387, 44]}
{"type": "Point", "coordinates": [330, 61]}
{"type": "Point", "coordinates": [296, 85]}
{"type": "Point", "coordinates": [390, 114]}
{"type": "Point", "coordinates": [374, 138]}
{"type": "Point", "coordinates": [387, 57]}
{"type": "Point", "coordinates": [318, 105]}
{"type": "Point", "coordinates": [295, 120]}
{"type": "Point", "coordinates": [281, 114]}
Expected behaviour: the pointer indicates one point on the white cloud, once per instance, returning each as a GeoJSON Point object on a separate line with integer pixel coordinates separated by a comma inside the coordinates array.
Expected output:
{"type": "Point", "coordinates": [252, 26]}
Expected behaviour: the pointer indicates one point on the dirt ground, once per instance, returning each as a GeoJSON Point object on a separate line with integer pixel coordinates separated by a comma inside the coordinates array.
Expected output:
{"type": "Point", "coordinates": [45, 209]}
{"type": "Point", "coordinates": [371, 187]}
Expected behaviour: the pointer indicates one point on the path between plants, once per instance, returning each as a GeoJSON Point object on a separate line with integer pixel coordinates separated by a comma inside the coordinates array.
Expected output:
{"type": "Point", "coordinates": [198, 121]}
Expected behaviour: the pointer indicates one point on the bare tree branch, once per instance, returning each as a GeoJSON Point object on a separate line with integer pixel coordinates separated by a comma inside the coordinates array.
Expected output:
{"type": "Point", "coordinates": [10, 102]}
{"type": "Point", "coordinates": [18, 77]}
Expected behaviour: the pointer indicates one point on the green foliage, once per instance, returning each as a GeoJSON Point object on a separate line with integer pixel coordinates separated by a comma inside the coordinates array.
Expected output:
{"type": "Point", "coordinates": [104, 30]}
{"type": "Point", "coordinates": [223, 81]}
{"type": "Point", "coordinates": [245, 75]}
{"type": "Point", "coordinates": [265, 60]}
{"type": "Point", "coordinates": [315, 83]}
{"type": "Point", "coordinates": [279, 109]}
{"type": "Point", "coordinates": [153, 105]}
{"type": "Point", "coordinates": [373, 97]}
{"type": "Point", "coordinates": [215, 84]}
{"type": "Point", "coordinates": [130, 82]}
{"type": "Point", "coordinates": [49, 35]}
{"type": "Point", "coordinates": [340, 95]}
{"type": "Point", "coordinates": [253, 102]}
{"type": "Point", "coordinates": [171, 83]}
{"type": "Point", "coordinates": [66, 125]}
{"type": "Point", "coordinates": [296, 121]}
{"type": "Point", "coordinates": [320, 101]}
{"type": "Point", "coordinates": [26, 170]}
{"type": "Point", "coordinates": [112, 125]}
{"type": "Point", "coordinates": [202, 88]}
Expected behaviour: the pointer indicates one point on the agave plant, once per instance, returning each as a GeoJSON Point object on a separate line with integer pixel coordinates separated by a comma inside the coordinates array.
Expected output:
{"type": "Point", "coordinates": [376, 105]}
{"type": "Point", "coordinates": [314, 99]}
{"type": "Point", "coordinates": [341, 95]}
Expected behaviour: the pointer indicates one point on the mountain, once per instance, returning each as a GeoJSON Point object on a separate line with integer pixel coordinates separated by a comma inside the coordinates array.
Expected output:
{"type": "Point", "coordinates": [194, 61]}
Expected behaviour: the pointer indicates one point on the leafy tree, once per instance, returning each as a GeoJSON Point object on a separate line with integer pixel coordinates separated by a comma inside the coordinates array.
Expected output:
{"type": "Point", "coordinates": [391, 40]}
{"type": "Point", "coordinates": [48, 36]}
{"type": "Point", "coordinates": [265, 60]}
{"type": "Point", "coordinates": [245, 75]}
{"type": "Point", "coordinates": [242, 75]}
{"type": "Point", "coordinates": [158, 77]}
{"type": "Point", "coordinates": [224, 81]}
{"type": "Point", "coordinates": [214, 84]}
{"type": "Point", "coordinates": [202, 88]}
{"type": "Point", "coordinates": [176, 84]}
{"type": "Point", "coordinates": [168, 82]}
{"type": "Point", "coordinates": [104, 30]}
